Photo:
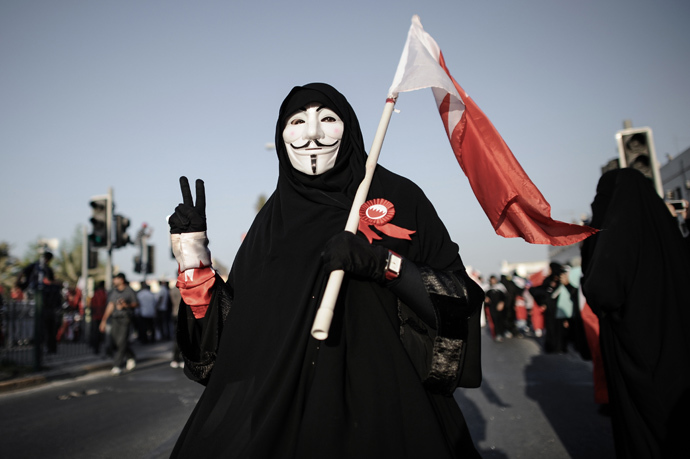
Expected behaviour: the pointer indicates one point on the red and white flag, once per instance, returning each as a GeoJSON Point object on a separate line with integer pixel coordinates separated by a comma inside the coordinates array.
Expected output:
{"type": "Point", "coordinates": [514, 205]}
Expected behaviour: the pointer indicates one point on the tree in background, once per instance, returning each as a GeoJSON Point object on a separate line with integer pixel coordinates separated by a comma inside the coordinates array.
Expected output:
{"type": "Point", "coordinates": [68, 261]}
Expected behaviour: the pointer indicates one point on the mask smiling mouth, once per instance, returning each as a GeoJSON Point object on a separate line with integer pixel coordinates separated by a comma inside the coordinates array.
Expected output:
{"type": "Point", "coordinates": [319, 145]}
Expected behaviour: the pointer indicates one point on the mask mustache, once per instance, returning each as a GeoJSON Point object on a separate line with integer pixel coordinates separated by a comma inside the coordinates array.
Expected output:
{"type": "Point", "coordinates": [316, 142]}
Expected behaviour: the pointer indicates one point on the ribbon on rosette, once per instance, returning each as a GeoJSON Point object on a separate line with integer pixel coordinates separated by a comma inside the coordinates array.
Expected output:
{"type": "Point", "coordinates": [378, 213]}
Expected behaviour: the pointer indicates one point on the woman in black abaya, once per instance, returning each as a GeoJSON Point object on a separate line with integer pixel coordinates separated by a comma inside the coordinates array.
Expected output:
{"type": "Point", "coordinates": [369, 390]}
{"type": "Point", "coordinates": [635, 274]}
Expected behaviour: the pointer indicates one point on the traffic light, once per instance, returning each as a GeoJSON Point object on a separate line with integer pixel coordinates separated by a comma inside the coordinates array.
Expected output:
{"type": "Point", "coordinates": [99, 221]}
{"type": "Point", "coordinates": [121, 236]}
{"type": "Point", "coordinates": [636, 150]}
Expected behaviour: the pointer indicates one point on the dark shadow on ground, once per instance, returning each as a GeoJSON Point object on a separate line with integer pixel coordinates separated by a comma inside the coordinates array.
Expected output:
{"type": "Point", "coordinates": [476, 422]}
{"type": "Point", "coordinates": [562, 386]}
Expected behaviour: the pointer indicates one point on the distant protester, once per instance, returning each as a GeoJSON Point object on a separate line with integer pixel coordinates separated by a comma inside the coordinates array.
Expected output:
{"type": "Point", "coordinates": [495, 302]}
{"type": "Point", "coordinates": [557, 299]}
{"type": "Point", "coordinates": [122, 301]}
{"type": "Point", "coordinates": [99, 301]}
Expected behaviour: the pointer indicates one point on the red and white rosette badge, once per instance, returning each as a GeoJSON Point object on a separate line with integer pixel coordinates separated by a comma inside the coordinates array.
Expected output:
{"type": "Point", "coordinates": [378, 213]}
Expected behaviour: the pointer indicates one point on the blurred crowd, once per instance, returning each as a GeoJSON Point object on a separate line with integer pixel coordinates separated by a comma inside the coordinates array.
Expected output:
{"type": "Point", "coordinates": [546, 304]}
{"type": "Point", "coordinates": [64, 315]}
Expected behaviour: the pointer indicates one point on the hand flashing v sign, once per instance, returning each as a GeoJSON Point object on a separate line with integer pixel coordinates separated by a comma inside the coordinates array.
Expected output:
{"type": "Point", "coordinates": [189, 217]}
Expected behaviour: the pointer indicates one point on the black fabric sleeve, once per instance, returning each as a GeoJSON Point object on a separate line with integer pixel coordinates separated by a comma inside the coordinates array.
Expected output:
{"type": "Point", "coordinates": [198, 338]}
{"type": "Point", "coordinates": [410, 288]}
{"type": "Point", "coordinates": [539, 293]}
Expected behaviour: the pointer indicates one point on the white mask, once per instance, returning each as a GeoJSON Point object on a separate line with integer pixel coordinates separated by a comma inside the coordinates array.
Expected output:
{"type": "Point", "coordinates": [312, 138]}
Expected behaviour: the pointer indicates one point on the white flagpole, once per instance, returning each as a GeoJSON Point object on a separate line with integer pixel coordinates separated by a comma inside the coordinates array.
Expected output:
{"type": "Point", "coordinates": [324, 315]}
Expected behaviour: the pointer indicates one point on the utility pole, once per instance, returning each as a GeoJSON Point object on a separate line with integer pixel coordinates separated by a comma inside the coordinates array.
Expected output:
{"type": "Point", "coordinates": [144, 254]}
{"type": "Point", "coordinates": [143, 263]}
{"type": "Point", "coordinates": [39, 304]}
{"type": "Point", "coordinates": [85, 255]}
{"type": "Point", "coordinates": [109, 263]}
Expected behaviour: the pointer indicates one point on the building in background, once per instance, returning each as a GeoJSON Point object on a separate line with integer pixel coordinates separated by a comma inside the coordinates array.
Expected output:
{"type": "Point", "coordinates": [675, 177]}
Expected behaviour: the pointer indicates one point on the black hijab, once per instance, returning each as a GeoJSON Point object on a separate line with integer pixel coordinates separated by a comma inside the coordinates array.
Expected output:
{"type": "Point", "coordinates": [341, 182]}
{"type": "Point", "coordinates": [277, 392]}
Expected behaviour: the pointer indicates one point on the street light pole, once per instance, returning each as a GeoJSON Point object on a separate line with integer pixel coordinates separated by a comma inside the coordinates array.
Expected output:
{"type": "Point", "coordinates": [39, 305]}
{"type": "Point", "coordinates": [109, 246]}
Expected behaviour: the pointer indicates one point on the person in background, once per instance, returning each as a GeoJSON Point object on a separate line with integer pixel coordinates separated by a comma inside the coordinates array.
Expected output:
{"type": "Point", "coordinates": [576, 335]}
{"type": "Point", "coordinates": [512, 293]}
{"type": "Point", "coordinates": [496, 301]}
{"type": "Point", "coordinates": [163, 311]}
{"type": "Point", "coordinates": [555, 290]}
{"type": "Point", "coordinates": [71, 315]}
{"type": "Point", "coordinates": [99, 301]}
{"type": "Point", "coordinates": [635, 275]}
{"type": "Point", "coordinates": [37, 273]}
{"type": "Point", "coordinates": [567, 310]}
{"type": "Point", "coordinates": [147, 314]}
{"type": "Point", "coordinates": [38, 278]}
{"type": "Point", "coordinates": [122, 301]}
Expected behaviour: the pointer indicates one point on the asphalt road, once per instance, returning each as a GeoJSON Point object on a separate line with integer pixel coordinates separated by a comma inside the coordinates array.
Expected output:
{"type": "Point", "coordinates": [533, 404]}
{"type": "Point", "coordinates": [135, 415]}
{"type": "Point", "coordinates": [529, 405]}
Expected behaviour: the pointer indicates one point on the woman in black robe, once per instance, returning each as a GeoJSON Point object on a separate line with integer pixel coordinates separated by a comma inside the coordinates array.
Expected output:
{"type": "Point", "coordinates": [381, 385]}
{"type": "Point", "coordinates": [547, 295]}
{"type": "Point", "coordinates": [635, 275]}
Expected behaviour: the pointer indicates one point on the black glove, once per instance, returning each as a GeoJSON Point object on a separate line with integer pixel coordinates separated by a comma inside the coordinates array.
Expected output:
{"type": "Point", "coordinates": [354, 255]}
{"type": "Point", "coordinates": [189, 218]}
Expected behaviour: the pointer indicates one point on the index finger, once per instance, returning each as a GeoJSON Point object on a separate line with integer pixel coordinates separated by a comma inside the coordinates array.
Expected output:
{"type": "Point", "coordinates": [200, 197]}
{"type": "Point", "coordinates": [186, 192]}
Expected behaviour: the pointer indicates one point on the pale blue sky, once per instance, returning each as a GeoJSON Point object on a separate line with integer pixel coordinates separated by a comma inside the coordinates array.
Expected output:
{"type": "Point", "coordinates": [133, 94]}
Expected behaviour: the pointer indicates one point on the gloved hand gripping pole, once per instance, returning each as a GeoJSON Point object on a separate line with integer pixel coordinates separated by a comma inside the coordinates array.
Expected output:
{"type": "Point", "coordinates": [324, 315]}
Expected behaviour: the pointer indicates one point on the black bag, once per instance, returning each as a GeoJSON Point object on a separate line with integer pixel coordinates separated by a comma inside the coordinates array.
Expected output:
{"type": "Point", "coordinates": [449, 357]}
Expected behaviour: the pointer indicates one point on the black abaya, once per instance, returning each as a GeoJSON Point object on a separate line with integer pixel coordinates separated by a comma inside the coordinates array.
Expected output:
{"type": "Point", "coordinates": [277, 392]}
{"type": "Point", "coordinates": [635, 273]}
